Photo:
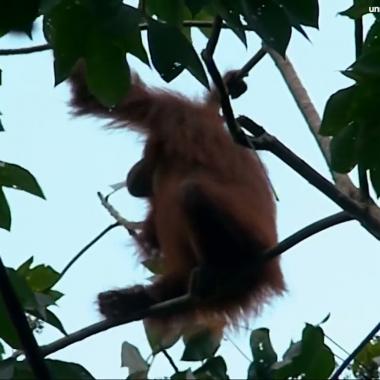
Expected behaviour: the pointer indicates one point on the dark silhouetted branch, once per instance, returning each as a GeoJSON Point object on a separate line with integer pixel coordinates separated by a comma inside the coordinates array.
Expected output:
{"type": "Point", "coordinates": [86, 248]}
{"type": "Point", "coordinates": [16, 313]}
{"type": "Point", "coordinates": [306, 232]}
{"type": "Point", "coordinates": [174, 305]}
{"type": "Point", "coordinates": [207, 55]}
{"type": "Point", "coordinates": [367, 215]}
{"type": "Point", "coordinates": [355, 352]}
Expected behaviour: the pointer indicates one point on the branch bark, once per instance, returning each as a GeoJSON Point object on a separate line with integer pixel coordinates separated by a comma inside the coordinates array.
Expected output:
{"type": "Point", "coordinates": [187, 301]}
{"type": "Point", "coordinates": [312, 119]}
{"type": "Point", "coordinates": [367, 214]}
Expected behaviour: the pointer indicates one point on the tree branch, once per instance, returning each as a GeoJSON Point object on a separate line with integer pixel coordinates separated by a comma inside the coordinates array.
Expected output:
{"type": "Point", "coordinates": [362, 170]}
{"type": "Point", "coordinates": [244, 70]}
{"type": "Point", "coordinates": [355, 352]}
{"type": "Point", "coordinates": [86, 248]}
{"type": "Point", "coordinates": [214, 38]}
{"type": "Point", "coordinates": [131, 227]}
{"type": "Point", "coordinates": [228, 113]}
{"type": "Point", "coordinates": [312, 118]}
{"type": "Point", "coordinates": [188, 301]}
{"type": "Point", "coordinates": [17, 316]}
{"type": "Point", "coordinates": [306, 232]}
{"type": "Point", "coordinates": [174, 305]}
{"type": "Point", "coordinates": [170, 360]}
{"type": "Point", "coordinates": [367, 215]}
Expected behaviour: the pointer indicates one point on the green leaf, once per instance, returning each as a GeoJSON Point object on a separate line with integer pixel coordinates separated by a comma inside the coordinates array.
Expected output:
{"type": "Point", "coordinates": [24, 268]}
{"type": "Point", "coordinates": [60, 370]}
{"type": "Point", "coordinates": [231, 14]}
{"type": "Point", "coordinates": [55, 295]}
{"type": "Point", "coordinates": [291, 365]}
{"type": "Point", "coordinates": [42, 277]}
{"type": "Point", "coordinates": [215, 368]}
{"type": "Point", "coordinates": [66, 27]}
{"type": "Point", "coordinates": [41, 312]}
{"type": "Point", "coordinates": [195, 6]}
{"type": "Point", "coordinates": [366, 363]}
{"type": "Point", "coordinates": [122, 29]}
{"type": "Point", "coordinates": [263, 354]}
{"type": "Point", "coordinates": [160, 338]}
{"type": "Point", "coordinates": [171, 11]}
{"type": "Point", "coordinates": [132, 359]}
{"type": "Point", "coordinates": [54, 321]}
{"type": "Point", "coordinates": [18, 178]}
{"type": "Point", "coordinates": [177, 53]}
{"type": "Point", "coordinates": [5, 212]}
{"type": "Point", "coordinates": [107, 71]}
{"type": "Point", "coordinates": [22, 289]}
{"type": "Point", "coordinates": [204, 15]}
{"type": "Point", "coordinates": [1, 126]}
{"type": "Point", "coordinates": [66, 370]}
{"type": "Point", "coordinates": [310, 358]}
{"type": "Point", "coordinates": [27, 300]}
{"type": "Point", "coordinates": [95, 31]}
{"type": "Point", "coordinates": [325, 319]}
{"type": "Point", "coordinates": [269, 21]}
{"type": "Point", "coordinates": [319, 358]}
{"type": "Point", "coordinates": [18, 16]}
{"type": "Point", "coordinates": [359, 9]}
{"type": "Point", "coordinates": [43, 301]}
{"type": "Point", "coordinates": [344, 154]}
{"type": "Point", "coordinates": [367, 67]}
{"type": "Point", "coordinates": [200, 345]}
{"type": "Point", "coordinates": [339, 111]}
{"type": "Point", "coordinates": [47, 5]}
{"type": "Point", "coordinates": [301, 11]}
{"type": "Point", "coordinates": [372, 40]}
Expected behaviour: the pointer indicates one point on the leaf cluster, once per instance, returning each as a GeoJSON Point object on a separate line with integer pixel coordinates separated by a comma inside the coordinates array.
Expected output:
{"type": "Point", "coordinates": [351, 115]}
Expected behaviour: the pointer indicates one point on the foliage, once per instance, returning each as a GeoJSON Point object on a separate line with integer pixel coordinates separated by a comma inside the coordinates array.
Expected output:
{"type": "Point", "coordinates": [366, 364]}
{"type": "Point", "coordinates": [101, 34]}
{"type": "Point", "coordinates": [351, 115]}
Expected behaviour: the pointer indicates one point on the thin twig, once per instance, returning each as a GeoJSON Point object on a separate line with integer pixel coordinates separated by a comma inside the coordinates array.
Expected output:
{"type": "Point", "coordinates": [306, 232]}
{"type": "Point", "coordinates": [242, 353]}
{"type": "Point", "coordinates": [355, 352]}
{"type": "Point", "coordinates": [17, 316]}
{"type": "Point", "coordinates": [131, 227]}
{"type": "Point", "coordinates": [244, 70]}
{"type": "Point", "coordinates": [86, 248]}
{"type": "Point", "coordinates": [170, 360]}
{"type": "Point", "coordinates": [26, 50]}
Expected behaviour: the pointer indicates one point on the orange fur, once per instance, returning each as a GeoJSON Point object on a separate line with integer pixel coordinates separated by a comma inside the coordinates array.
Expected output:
{"type": "Point", "coordinates": [211, 207]}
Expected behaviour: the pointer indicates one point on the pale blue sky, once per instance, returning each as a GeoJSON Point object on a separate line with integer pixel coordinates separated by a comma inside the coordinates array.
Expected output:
{"type": "Point", "coordinates": [335, 272]}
